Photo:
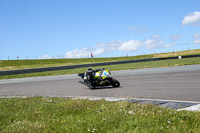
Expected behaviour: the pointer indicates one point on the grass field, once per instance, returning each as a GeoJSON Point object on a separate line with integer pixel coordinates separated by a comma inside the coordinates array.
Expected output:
{"type": "Point", "coordinates": [40, 114]}
{"type": "Point", "coordinates": [24, 64]}
{"type": "Point", "coordinates": [180, 53]}
{"type": "Point", "coordinates": [152, 64]}
{"type": "Point", "coordinates": [44, 114]}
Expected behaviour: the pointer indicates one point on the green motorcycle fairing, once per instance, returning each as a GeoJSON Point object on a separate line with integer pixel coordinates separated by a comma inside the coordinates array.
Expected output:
{"type": "Point", "coordinates": [104, 74]}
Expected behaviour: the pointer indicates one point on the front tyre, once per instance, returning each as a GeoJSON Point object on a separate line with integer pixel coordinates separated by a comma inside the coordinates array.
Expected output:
{"type": "Point", "coordinates": [115, 83]}
{"type": "Point", "coordinates": [92, 87]}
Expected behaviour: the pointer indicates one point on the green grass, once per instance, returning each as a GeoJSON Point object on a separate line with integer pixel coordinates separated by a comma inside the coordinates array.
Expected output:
{"type": "Point", "coordinates": [25, 64]}
{"type": "Point", "coordinates": [152, 64]}
{"type": "Point", "coordinates": [41, 114]}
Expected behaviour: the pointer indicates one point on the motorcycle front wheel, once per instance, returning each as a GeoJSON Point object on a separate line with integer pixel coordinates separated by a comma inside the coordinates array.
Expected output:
{"type": "Point", "coordinates": [115, 83]}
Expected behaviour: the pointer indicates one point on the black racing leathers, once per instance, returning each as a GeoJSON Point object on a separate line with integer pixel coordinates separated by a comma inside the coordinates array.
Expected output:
{"type": "Point", "coordinates": [91, 74]}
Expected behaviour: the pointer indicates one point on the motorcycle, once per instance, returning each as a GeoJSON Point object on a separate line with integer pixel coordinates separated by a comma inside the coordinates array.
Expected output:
{"type": "Point", "coordinates": [98, 77]}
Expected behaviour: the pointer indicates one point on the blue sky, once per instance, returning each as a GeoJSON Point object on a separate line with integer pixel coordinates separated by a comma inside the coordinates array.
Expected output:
{"type": "Point", "coordinates": [74, 29]}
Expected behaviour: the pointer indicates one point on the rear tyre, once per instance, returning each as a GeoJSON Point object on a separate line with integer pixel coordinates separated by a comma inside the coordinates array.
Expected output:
{"type": "Point", "coordinates": [115, 83]}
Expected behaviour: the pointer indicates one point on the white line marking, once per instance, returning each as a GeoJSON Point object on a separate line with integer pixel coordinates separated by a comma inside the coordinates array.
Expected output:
{"type": "Point", "coordinates": [191, 108]}
{"type": "Point", "coordinates": [123, 98]}
{"type": "Point", "coordinates": [179, 101]}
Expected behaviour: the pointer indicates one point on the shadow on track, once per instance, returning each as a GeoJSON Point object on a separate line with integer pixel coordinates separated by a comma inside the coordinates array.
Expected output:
{"type": "Point", "coordinates": [104, 87]}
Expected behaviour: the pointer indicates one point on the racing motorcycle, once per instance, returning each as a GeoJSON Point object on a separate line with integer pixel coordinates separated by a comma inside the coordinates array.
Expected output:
{"type": "Point", "coordinates": [99, 77]}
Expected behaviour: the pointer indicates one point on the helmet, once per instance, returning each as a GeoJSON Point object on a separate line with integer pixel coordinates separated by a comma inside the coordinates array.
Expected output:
{"type": "Point", "coordinates": [89, 70]}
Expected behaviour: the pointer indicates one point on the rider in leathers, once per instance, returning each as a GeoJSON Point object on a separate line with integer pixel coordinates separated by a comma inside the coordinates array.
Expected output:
{"type": "Point", "coordinates": [91, 73]}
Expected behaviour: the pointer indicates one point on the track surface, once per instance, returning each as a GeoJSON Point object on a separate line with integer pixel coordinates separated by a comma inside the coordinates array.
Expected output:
{"type": "Point", "coordinates": [170, 83]}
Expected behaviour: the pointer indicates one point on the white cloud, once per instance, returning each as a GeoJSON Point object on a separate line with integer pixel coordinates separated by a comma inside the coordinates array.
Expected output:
{"type": "Point", "coordinates": [46, 57]}
{"type": "Point", "coordinates": [130, 46]}
{"type": "Point", "coordinates": [132, 28]}
{"type": "Point", "coordinates": [85, 52]}
{"type": "Point", "coordinates": [138, 29]}
{"type": "Point", "coordinates": [175, 38]}
{"type": "Point", "coordinates": [125, 46]}
{"type": "Point", "coordinates": [111, 46]}
{"type": "Point", "coordinates": [191, 18]}
{"type": "Point", "coordinates": [196, 38]}
{"type": "Point", "coordinates": [154, 42]}
{"type": "Point", "coordinates": [99, 51]}
{"type": "Point", "coordinates": [168, 45]}
{"type": "Point", "coordinates": [151, 43]}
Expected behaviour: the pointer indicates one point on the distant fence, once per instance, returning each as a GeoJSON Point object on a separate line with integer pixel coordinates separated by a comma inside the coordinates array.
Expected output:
{"type": "Point", "coordinates": [34, 70]}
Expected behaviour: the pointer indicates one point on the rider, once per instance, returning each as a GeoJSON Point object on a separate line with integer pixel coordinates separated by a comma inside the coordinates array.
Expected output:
{"type": "Point", "coordinates": [91, 73]}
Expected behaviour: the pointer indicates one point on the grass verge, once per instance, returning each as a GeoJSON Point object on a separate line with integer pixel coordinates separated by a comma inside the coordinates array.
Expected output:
{"type": "Point", "coordinates": [39, 114]}
{"type": "Point", "coordinates": [152, 64]}
{"type": "Point", "coordinates": [25, 64]}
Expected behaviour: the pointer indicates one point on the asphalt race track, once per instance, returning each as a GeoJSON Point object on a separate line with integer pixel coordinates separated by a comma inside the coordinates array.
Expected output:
{"type": "Point", "coordinates": [169, 83]}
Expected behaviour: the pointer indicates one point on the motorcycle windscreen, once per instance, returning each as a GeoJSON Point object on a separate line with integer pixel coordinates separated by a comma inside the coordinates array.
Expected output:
{"type": "Point", "coordinates": [105, 74]}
